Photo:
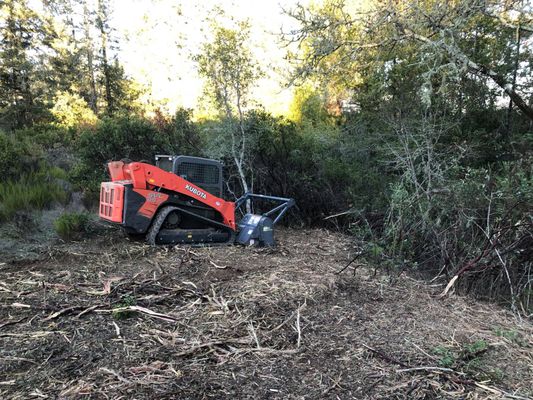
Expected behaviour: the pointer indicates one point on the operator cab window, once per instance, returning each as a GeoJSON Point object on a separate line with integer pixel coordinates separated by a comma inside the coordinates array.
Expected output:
{"type": "Point", "coordinates": [164, 162]}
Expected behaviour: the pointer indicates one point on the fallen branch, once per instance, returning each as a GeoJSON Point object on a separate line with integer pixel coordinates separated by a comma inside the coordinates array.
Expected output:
{"type": "Point", "coordinates": [217, 266]}
{"type": "Point", "coordinates": [386, 357]}
{"type": "Point", "coordinates": [194, 349]}
{"type": "Point", "coordinates": [351, 262]}
{"type": "Point", "coordinates": [425, 369]}
{"type": "Point", "coordinates": [339, 214]}
{"type": "Point", "coordinates": [61, 312]}
{"type": "Point", "coordinates": [298, 328]}
{"type": "Point", "coordinates": [12, 322]}
{"type": "Point", "coordinates": [449, 286]}
{"type": "Point", "coordinates": [500, 392]}
{"type": "Point", "coordinates": [143, 310]}
{"type": "Point", "coordinates": [87, 310]}
{"type": "Point", "coordinates": [115, 374]}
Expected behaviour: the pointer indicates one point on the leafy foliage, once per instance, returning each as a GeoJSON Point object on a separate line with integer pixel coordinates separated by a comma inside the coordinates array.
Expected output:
{"type": "Point", "coordinates": [131, 138]}
{"type": "Point", "coordinates": [72, 225]}
{"type": "Point", "coordinates": [35, 191]}
{"type": "Point", "coordinates": [70, 110]}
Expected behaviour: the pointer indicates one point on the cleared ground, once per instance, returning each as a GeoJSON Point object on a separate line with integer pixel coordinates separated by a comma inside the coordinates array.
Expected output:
{"type": "Point", "coordinates": [110, 318]}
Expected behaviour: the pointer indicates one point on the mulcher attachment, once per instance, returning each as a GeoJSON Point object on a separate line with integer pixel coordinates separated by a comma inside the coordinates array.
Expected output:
{"type": "Point", "coordinates": [258, 230]}
{"type": "Point", "coordinates": [253, 229]}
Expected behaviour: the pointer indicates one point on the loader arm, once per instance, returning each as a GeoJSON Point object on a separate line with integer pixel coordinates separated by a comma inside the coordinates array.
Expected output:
{"type": "Point", "coordinates": [149, 177]}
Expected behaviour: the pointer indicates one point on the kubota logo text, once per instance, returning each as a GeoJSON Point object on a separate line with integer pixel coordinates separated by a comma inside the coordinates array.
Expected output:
{"type": "Point", "coordinates": [196, 191]}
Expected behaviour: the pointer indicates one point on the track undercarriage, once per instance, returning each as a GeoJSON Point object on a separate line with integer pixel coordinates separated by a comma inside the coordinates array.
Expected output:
{"type": "Point", "coordinates": [176, 225]}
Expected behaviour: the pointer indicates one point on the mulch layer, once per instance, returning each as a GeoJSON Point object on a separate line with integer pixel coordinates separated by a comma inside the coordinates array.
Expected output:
{"type": "Point", "coordinates": [109, 318]}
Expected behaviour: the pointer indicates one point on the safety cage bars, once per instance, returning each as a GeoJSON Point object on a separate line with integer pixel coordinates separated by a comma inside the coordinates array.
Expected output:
{"type": "Point", "coordinates": [281, 209]}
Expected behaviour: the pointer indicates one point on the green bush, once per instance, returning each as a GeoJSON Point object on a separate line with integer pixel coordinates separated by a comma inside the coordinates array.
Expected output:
{"type": "Point", "coordinates": [321, 167]}
{"type": "Point", "coordinates": [72, 225]}
{"type": "Point", "coordinates": [136, 139]}
{"type": "Point", "coordinates": [34, 191]}
{"type": "Point", "coordinates": [23, 152]}
{"type": "Point", "coordinates": [17, 155]}
{"type": "Point", "coordinates": [133, 138]}
{"type": "Point", "coordinates": [46, 135]}
{"type": "Point", "coordinates": [118, 138]}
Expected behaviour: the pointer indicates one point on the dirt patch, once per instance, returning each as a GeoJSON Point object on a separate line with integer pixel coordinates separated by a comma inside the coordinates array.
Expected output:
{"type": "Point", "coordinates": [109, 318]}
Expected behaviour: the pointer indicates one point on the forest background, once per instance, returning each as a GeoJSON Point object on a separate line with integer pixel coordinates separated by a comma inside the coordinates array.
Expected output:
{"type": "Point", "coordinates": [408, 125]}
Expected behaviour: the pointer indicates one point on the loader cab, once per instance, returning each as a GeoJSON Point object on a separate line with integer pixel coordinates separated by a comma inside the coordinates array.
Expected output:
{"type": "Point", "coordinates": [203, 172]}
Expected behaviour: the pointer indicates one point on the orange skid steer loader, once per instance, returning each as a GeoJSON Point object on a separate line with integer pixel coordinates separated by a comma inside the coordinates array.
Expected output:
{"type": "Point", "coordinates": [179, 201]}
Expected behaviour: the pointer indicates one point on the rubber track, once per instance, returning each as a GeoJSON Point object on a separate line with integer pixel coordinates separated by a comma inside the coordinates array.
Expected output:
{"type": "Point", "coordinates": [157, 223]}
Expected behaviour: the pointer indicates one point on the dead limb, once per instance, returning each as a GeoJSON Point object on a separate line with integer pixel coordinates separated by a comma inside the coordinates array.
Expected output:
{"type": "Point", "coordinates": [425, 369]}
{"type": "Point", "coordinates": [352, 261]}
{"type": "Point", "coordinates": [386, 357]}
{"type": "Point", "coordinates": [339, 214]}
{"type": "Point", "coordinates": [143, 310]}
{"type": "Point", "coordinates": [61, 312]}
{"type": "Point", "coordinates": [12, 322]}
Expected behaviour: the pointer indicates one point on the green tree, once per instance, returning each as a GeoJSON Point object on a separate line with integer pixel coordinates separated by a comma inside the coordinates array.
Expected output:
{"type": "Point", "coordinates": [70, 110]}
{"type": "Point", "coordinates": [107, 81]}
{"type": "Point", "coordinates": [448, 43]}
{"type": "Point", "coordinates": [230, 71]}
{"type": "Point", "coordinates": [22, 34]}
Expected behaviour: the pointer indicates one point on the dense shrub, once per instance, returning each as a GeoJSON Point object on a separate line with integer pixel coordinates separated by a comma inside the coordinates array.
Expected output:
{"type": "Point", "coordinates": [26, 150]}
{"type": "Point", "coordinates": [319, 164]}
{"type": "Point", "coordinates": [46, 136]}
{"type": "Point", "coordinates": [34, 191]}
{"type": "Point", "coordinates": [17, 155]}
{"type": "Point", "coordinates": [136, 139]}
{"type": "Point", "coordinates": [131, 138]}
{"type": "Point", "coordinates": [72, 225]}
{"type": "Point", "coordinates": [462, 215]}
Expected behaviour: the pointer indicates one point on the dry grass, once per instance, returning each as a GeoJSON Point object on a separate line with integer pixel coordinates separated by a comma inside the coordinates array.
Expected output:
{"type": "Point", "coordinates": [109, 318]}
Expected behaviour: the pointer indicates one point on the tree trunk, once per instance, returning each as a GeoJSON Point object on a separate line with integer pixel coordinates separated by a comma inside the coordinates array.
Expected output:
{"type": "Point", "coordinates": [89, 48]}
{"type": "Point", "coordinates": [105, 63]}
{"type": "Point", "coordinates": [242, 152]}
{"type": "Point", "coordinates": [516, 64]}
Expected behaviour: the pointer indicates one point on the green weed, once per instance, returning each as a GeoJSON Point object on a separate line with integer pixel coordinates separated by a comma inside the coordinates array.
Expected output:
{"type": "Point", "coordinates": [126, 301]}
{"type": "Point", "coordinates": [71, 225]}
{"type": "Point", "coordinates": [473, 349]}
{"type": "Point", "coordinates": [511, 335]}
{"type": "Point", "coordinates": [446, 356]}
{"type": "Point", "coordinates": [28, 193]}
{"type": "Point", "coordinates": [467, 355]}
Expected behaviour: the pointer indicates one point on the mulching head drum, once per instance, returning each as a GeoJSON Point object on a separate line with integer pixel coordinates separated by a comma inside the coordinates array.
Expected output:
{"type": "Point", "coordinates": [256, 230]}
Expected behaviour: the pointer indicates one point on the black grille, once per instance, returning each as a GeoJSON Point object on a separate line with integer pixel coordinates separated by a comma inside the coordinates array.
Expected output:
{"type": "Point", "coordinates": [199, 173]}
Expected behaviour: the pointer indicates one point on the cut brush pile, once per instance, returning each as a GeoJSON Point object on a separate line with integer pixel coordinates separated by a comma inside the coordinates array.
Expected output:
{"type": "Point", "coordinates": [109, 318]}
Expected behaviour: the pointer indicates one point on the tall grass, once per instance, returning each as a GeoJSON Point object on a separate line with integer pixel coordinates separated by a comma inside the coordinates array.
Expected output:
{"type": "Point", "coordinates": [72, 225]}
{"type": "Point", "coordinates": [35, 191]}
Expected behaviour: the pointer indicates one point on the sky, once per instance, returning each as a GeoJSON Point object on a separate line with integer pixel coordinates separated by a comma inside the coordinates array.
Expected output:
{"type": "Point", "coordinates": [157, 39]}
